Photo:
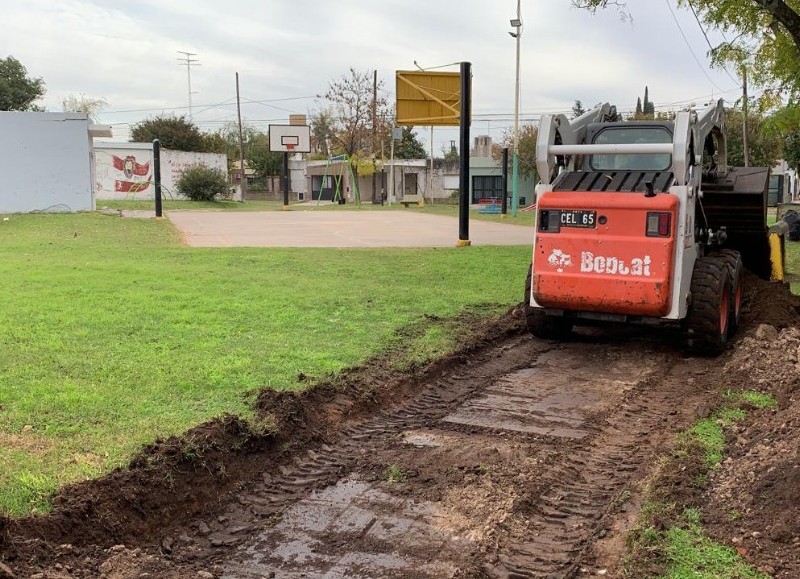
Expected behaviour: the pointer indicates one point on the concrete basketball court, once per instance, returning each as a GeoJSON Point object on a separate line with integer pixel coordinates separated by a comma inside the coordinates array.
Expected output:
{"type": "Point", "coordinates": [337, 229]}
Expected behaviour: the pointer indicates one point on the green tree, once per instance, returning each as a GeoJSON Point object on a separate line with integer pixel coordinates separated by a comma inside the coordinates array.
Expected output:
{"type": "Point", "coordinates": [259, 158]}
{"type": "Point", "coordinates": [323, 132]}
{"type": "Point", "coordinates": [18, 91]}
{"type": "Point", "coordinates": [257, 155]}
{"type": "Point", "coordinates": [527, 149]}
{"type": "Point", "coordinates": [410, 147]}
{"type": "Point", "coordinates": [791, 149]}
{"type": "Point", "coordinates": [577, 109]}
{"type": "Point", "coordinates": [764, 144]}
{"type": "Point", "coordinates": [173, 132]}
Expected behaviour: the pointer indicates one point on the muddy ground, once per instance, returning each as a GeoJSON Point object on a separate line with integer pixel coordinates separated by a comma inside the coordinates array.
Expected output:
{"type": "Point", "coordinates": [514, 457]}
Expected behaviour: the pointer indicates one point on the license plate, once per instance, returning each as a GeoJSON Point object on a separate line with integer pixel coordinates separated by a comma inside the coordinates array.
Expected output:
{"type": "Point", "coordinates": [578, 218]}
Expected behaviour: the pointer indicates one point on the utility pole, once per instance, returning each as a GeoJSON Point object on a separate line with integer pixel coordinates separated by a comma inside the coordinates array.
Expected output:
{"type": "Point", "coordinates": [745, 149]}
{"type": "Point", "coordinates": [517, 24]}
{"type": "Point", "coordinates": [242, 173]}
{"type": "Point", "coordinates": [189, 62]}
{"type": "Point", "coordinates": [374, 131]}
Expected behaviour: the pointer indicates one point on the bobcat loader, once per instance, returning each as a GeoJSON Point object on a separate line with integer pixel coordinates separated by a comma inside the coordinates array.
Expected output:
{"type": "Point", "coordinates": [643, 221]}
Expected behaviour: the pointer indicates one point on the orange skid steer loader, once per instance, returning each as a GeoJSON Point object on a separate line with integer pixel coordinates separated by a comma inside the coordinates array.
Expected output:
{"type": "Point", "coordinates": [644, 221]}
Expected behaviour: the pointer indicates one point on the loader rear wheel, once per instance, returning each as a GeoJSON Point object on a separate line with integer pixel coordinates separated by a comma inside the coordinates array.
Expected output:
{"type": "Point", "coordinates": [736, 269]}
{"type": "Point", "coordinates": [539, 323]}
{"type": "Point", "coordinates": [707, 323]}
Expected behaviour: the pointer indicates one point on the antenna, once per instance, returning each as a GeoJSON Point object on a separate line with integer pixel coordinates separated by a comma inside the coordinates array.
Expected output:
{"type": "Point", "coordinates": [189, 62]}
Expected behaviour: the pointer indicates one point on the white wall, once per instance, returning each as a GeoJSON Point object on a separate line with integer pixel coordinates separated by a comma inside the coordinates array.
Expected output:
{"type": "Point", "coordinates": [125, 170]}
{"type": "Point", "coordinates": [46, 160]}
{"type": "Point", "coordinates": [173, 163]}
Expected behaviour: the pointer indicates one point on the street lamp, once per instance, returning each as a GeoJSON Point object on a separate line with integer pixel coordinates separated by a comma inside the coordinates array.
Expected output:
{"type": "Point", "coordinates": [517, 24]}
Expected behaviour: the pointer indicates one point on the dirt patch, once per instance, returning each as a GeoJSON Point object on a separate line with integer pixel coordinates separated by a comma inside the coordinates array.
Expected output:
{"type": "Point", "coordinates": [174, 483]}
{"type": "Point", "coordinates": [512, 457]}
{"type": "Point", "coordinates": [753, 500]}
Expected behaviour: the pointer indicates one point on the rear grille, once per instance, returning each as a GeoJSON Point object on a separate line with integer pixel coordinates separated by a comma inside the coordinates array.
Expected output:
{"type": "Point", "coordinates": [613, 181]}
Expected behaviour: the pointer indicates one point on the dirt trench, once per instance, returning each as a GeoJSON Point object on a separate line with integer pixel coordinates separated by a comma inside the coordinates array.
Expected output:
{"type": "Point", "coordinates": [514, 458]}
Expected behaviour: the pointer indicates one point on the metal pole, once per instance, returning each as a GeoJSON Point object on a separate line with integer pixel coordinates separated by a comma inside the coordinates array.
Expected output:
{"type": "Point", "coordinates": [285, 180]}
{"type": "Point", "coordinates": [374, 131]}
{"type": "Point", "coordinates": [242, 172]}
{"type": "Point", "coordinates": [745, 147]}
{"type": "Point", "coordinates": [466, 106]}
{"type": "Point", "coordinates": [504, 205]}
{"type": "Point", "coordinates": [515, 162]}
{"type": "Point", "coordinates": [157, 176]}
{"type": "Point", "coordinates": [430, 173]}
{"type": "Point", "coordinates": [391, 172]}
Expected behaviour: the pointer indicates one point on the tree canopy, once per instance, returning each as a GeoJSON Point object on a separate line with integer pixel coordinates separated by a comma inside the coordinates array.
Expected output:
{"type": "Point", "coordinates": [409, 147]}
{"type": "Point", "coordinates": [18, 91]}
{"type": "Point", "coordinates": [764, 142]}
{"type": "Point", "coordinates": [257, 155]}
{"type": "Point", "coordinates": [173, 132]}
{"type": "Point", "coordinates": [527, 149]}
{"type": "Point", "coordinates": [351, 101]}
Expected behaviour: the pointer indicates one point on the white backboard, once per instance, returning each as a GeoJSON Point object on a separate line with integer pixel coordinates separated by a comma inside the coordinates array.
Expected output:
{"type": "Point", "coordinates": [290, 138]}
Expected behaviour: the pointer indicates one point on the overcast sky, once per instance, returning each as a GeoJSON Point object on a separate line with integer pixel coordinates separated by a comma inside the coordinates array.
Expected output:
{"type": "Point", "coordinates": [286, 52]}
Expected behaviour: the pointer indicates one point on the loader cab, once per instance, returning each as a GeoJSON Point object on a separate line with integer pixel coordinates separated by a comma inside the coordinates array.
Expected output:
{"type": "Point", "coordinates": [630, 132]}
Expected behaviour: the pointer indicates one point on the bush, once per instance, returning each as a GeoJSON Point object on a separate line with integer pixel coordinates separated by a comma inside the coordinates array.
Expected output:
{"type": "Point", "coordinates": [201, 183]}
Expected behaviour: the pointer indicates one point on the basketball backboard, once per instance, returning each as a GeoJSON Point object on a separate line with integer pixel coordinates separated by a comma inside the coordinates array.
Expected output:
{"type": "Point", "coordinates": [290, 138]}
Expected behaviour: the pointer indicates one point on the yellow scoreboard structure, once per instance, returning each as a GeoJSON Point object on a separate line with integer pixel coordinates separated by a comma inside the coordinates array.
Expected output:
{"type": "Point", "coordinates": [428, 98]}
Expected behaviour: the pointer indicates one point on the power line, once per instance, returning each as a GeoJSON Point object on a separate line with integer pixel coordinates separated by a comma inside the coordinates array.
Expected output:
{"type": "Point", "coordinates": [688, 45]}
{"type": "Point", "coordinates": [703, 30]}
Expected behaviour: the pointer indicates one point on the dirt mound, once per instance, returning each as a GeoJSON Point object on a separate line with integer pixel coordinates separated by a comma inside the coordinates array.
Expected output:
{"type": "Point", "coordinates": [769, 303]}
{"type": "Point", "coordinates": [752, 499]}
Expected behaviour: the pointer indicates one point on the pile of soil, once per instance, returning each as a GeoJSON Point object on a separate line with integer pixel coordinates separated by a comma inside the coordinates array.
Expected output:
{"type": "Point", "coordinates": [754, 497]}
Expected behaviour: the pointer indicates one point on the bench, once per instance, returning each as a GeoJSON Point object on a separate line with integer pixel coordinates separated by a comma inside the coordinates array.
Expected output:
{"type": "Point", "coordinates": [488, 205]}
{"type": "Point", "coordinates": [491, 208]}
{"type": "Point", "coordinates": [412, 200]}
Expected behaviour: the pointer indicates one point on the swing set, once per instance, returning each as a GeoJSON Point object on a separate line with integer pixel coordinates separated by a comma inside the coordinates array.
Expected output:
{"type": "Point", "coordinates": [338, 178]}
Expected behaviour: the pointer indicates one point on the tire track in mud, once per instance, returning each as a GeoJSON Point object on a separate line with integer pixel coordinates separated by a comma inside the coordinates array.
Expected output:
{"type": "Point", "coordinates": [512, 466]}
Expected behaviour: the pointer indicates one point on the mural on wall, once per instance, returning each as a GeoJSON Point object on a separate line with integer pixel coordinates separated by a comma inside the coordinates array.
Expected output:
{"type": "Point", "coordinates": [123, 171]}
{"type": "Point", "coordinates": [136, 175]}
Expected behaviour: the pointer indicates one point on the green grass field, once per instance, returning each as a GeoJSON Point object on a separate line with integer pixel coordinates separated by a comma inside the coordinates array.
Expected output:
{"type": "Point", "coordinates": [112, 334]}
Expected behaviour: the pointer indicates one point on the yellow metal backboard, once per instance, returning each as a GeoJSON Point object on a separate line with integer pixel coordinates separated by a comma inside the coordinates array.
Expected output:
{"type": "Point", "coordinates": [428, 98]}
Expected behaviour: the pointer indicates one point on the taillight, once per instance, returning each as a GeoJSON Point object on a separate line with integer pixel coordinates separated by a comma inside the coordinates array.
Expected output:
{"type": "Point", "coordinates": [658, 224]}
{"type": "Point", "coordinates": [550, 220]}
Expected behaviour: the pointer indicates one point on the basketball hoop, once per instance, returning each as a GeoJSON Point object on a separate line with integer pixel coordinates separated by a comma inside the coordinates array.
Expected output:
{"type": "Point", "coordinates": [290, 146]}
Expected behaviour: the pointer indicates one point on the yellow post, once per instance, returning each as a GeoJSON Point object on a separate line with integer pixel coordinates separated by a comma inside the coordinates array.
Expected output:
{"type": "Point", "coordinates": [776, 257]}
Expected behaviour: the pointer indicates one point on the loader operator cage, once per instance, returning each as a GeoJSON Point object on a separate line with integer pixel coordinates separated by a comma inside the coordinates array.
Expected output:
{"type": "Point", "coordinates": [618, 135]}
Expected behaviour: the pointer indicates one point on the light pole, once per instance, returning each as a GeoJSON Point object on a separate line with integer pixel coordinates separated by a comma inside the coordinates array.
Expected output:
{"type": "Point", "coordinates": [517, 24]}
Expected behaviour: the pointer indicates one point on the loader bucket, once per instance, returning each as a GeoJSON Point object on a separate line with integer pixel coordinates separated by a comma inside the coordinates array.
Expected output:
{"type": "Point", "coordinates": [738, 202]}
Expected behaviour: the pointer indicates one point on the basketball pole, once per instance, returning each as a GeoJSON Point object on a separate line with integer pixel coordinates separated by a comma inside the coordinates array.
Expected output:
{"type": "Point", "coordinates": [286, 180]}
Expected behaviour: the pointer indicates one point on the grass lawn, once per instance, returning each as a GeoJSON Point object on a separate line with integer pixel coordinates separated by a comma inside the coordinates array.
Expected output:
{"type": "Point", "coordinates": [112, 334]}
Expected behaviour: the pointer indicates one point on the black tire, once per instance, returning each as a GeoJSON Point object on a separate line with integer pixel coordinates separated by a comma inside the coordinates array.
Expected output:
{"type": "Point", "coordinates": [707, 324]}
{"type": "Point", "coordinates": [736, 270]}
{"type": "Point", "coordinates": [539, 323]}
